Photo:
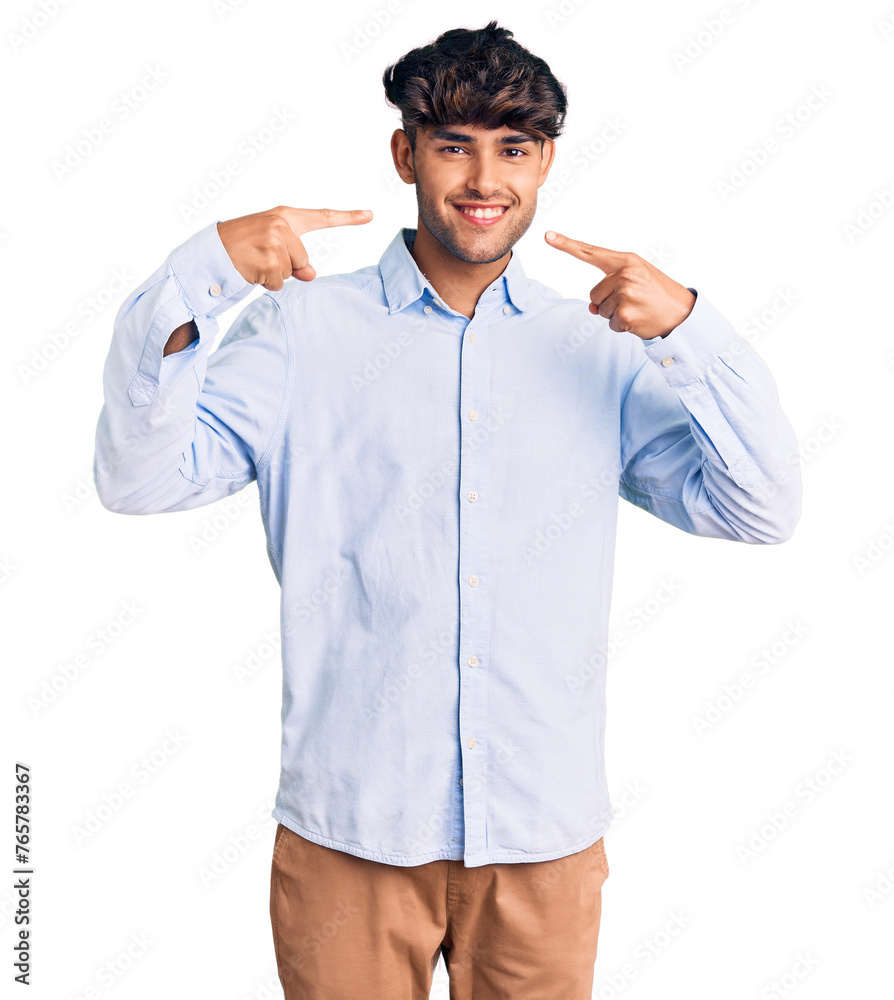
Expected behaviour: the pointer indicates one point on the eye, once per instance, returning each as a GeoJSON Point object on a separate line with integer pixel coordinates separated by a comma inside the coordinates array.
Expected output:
{"type": "Point", "coordinates": [513, 149]}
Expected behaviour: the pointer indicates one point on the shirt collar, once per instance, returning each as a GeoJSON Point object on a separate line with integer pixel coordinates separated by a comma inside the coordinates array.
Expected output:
{"type": "Point", "coordinates": [405, 283]}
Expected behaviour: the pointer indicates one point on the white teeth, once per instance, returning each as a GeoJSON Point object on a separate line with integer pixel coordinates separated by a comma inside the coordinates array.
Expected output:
{"type": "Point", "coordinates": [483, 213]}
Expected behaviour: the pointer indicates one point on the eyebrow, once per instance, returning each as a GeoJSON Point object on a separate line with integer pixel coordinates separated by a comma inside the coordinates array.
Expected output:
{"type": "Point", "coordinates": [441, 134]}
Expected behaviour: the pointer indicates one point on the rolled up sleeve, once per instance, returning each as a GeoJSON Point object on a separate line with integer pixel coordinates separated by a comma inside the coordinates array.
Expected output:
{"type": "Point", "coordinates": [705, 444]}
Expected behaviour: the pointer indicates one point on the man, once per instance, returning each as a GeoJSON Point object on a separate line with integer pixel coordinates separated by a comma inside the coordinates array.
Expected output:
{"type": "Point", "coordinates": [439, 444]}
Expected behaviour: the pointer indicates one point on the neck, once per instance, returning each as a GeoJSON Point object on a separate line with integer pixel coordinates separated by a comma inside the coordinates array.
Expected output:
{"type": "Point", "coordinates": [457, 282]}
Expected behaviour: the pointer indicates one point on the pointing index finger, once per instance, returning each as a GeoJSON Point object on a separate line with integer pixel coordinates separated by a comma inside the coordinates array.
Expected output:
{"type": "Point", "coordinates": [601, 257]}
{"type": "Point", "coordinates": [305, 220]}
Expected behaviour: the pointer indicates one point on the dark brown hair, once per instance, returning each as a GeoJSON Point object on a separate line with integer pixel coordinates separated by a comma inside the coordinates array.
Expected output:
{"type": "Point", "coordinates": [476, 77]}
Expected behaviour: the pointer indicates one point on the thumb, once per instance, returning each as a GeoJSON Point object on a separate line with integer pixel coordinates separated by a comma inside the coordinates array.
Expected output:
{"type": "Point", "coordinates": [306, 273]}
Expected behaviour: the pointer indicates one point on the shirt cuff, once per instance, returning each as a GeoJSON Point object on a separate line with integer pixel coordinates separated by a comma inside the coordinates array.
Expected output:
{"type": "Point", "coordinates": [209, 284]}
{"type": "Point", "coordinates": [210, 281]}
{"type": "Point", "coordinates": [695, 345]}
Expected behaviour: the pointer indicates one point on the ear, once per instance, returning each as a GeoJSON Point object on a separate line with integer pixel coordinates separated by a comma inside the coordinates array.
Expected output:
{"type": "Point", "coordinates": [549, 154]}
{"type": "Point", "coordinates": [402, 156]}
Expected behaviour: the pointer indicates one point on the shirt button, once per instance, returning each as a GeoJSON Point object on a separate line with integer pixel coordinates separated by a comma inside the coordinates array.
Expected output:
{"type": "Point", "coordinates": [427, 309]}
{"type": "Point", "coordinates": [507, 309]}
{"type": "Point", "coordinates": [438, 302]}
{"type": "Point", "coordinates": [215, 289]}
{"type": "Point", "coordinates": [667, 362]}
{"type": "Point", "coordinates": [472, 336]}
{"type": "Point", "coordinates": [472, 743]}
{"type": "Point", "coordinates": [473, 414]}
{"type": "Point", "coordinates": [472, 495]}
{"type": "Point", "coordinates": [460, 780]}
{"type": "Point", "coordinates": [473, 581]}
{"type": "Point", "coordinates": [472, 661]}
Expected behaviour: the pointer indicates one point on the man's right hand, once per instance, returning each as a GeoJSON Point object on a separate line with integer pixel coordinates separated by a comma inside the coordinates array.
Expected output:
{"type": "Point", "coordinates": [265, 247]}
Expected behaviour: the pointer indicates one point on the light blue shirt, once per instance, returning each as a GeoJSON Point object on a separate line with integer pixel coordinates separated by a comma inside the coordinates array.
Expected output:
{"type": "Point", "coordinates": [440, 499]}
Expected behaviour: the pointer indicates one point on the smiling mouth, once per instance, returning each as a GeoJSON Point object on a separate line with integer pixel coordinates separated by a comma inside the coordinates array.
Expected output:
{"type": "Point", "coordinates": [482, 216]}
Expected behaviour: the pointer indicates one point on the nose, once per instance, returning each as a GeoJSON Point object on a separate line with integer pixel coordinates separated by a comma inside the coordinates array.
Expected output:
{"type": "Point", "coordinates": [483, 177]}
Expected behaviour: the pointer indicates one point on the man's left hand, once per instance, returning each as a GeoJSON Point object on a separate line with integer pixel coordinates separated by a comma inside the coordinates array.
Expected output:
{"type": "Point", "coordinates": [633, 296]}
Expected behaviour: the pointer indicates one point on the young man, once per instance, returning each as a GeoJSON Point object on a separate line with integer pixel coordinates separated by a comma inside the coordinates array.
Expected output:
{"type": "Point", "coordinates": [439, 443]}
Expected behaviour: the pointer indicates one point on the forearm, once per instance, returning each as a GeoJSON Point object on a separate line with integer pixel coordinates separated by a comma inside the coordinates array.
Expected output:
{"type": "Point", "coordinates": [182, 337]}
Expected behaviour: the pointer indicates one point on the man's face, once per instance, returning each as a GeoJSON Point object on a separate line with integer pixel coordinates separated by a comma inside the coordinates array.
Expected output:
{"type": "Point", "coordinates": [460, 166]}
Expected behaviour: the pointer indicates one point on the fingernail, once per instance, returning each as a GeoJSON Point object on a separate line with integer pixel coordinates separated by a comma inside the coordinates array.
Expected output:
{"type": "Point", "coordinates": [550, 235]}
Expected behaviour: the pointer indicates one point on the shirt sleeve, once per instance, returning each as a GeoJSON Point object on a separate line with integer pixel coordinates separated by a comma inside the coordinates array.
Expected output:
{"type": "Point", "coordinates": [186, 429]}
{"type": "Point", "coordinates": [705, 445]}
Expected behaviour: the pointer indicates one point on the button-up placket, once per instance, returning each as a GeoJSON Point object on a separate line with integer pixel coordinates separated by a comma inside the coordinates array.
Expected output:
{"type": "Point", "coordinates": [476, 442]}
{"type": "Point", "coordinates": [502, 300]}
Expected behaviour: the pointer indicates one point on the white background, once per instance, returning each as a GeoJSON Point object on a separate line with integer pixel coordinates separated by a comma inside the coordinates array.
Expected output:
{"type": "Point", "coordinates": [805, 241]}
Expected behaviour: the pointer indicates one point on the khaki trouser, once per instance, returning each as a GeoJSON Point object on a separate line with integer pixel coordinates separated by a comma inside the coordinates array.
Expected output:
{"type": "Point", "coordinates": [347, 928]}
